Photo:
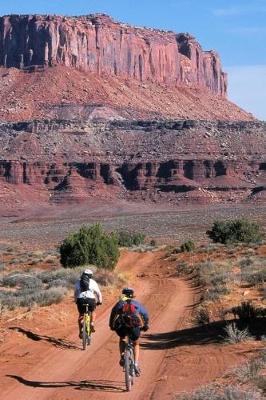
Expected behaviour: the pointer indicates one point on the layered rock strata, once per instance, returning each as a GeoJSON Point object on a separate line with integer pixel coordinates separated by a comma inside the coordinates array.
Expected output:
{"type": "Point", "coordinates": [97, 44]}
{"type": "Point", "coordinates": [140, 158]}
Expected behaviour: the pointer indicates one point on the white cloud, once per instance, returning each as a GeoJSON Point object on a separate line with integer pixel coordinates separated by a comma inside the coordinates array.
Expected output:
{"type": "Point", "coordinates": [247, 88]}
{"type": "Point", "coordinates": [247, 30]}
{"type": "Point", "coordinates": [239, 10]}
{"type": "Point", "coordinates": [224, 12]}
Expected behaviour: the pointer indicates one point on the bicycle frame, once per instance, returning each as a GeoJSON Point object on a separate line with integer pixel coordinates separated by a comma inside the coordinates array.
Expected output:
{"type": "Point", "coordinates": [129, 366]}
{"type": "Point", "coordinates": [86, 333]}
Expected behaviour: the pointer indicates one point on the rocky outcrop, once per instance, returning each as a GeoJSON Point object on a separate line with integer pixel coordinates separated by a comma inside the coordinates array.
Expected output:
{"type": "Point", "coordinates": [177, 160]}
{"type": "Point", "coordinates": [97, 44]}
{"type": "Point", "coordinates": [169, 176]}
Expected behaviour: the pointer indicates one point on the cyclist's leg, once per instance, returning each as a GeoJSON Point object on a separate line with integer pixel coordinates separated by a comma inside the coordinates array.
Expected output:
{"type": "Point", "coordinates": [92, 307]}
{"type": "Point", "coordinates": [136, 350]}
{"type": "Point", "coordinates": [134, 336]}
{"type": "Point", "coordinates": [122, 344]}
{"type": "Point", "coordinates": [121, 332]}
{"type": "Point", "coordinates": [81, 314]}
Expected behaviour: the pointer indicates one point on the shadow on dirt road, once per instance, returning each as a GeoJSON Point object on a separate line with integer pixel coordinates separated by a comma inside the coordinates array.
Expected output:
{"type": "Point", "coordinates": [97, 385]}
{"type": "Point", "coordinates": [57, 342]}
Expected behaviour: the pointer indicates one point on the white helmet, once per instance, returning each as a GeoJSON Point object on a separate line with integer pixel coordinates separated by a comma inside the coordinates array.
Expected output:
{"type": "Point", "coordinates": [88, 272]}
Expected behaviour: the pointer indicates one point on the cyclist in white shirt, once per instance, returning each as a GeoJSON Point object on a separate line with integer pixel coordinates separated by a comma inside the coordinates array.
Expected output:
{"type": "Point", "coordinates": [88, 292]}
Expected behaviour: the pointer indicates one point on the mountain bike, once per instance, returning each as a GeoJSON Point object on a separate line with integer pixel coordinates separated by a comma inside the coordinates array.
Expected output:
{"type": "Point", "coordinates": [86, 331]}
{"type": "Point", "coordinates": [129, 364]}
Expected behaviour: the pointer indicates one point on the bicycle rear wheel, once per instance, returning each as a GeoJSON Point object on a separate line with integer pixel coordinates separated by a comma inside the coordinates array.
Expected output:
{"type": "Point", "coordinates": [86, 334]}
{"type": "Point", "coordinates": [127, 366]}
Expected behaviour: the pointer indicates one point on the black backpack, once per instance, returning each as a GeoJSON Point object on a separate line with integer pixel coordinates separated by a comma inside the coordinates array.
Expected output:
{"type": "Point", "coordinates": [84, 283]}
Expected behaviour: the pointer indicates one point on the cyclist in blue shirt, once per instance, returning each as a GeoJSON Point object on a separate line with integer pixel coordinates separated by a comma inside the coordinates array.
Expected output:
{"type": "Point", "coordinates": [128, 318]}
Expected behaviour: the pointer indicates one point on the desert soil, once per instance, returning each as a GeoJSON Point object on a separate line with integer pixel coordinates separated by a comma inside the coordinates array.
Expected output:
{"type": "Point", "coordinates": [42, 228]}
{"type": "Point", "coordinates": [41, 354]}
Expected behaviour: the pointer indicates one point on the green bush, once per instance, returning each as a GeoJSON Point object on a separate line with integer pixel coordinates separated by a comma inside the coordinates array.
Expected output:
{"type": "Point", "coordinates": [187, 246]}
{"type": "Point", "coordinates": [129, 239]}
{"type": "Point", "coordinates": [233, 231]}
{"type": "Point", "coordinates": [90, 245]}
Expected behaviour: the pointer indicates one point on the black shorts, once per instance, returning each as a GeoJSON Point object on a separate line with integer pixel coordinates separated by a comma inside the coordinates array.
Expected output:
{"type": "Point", "coordinates": [132, 333]}
{"type": "Point", "coordinates": [81, 305]}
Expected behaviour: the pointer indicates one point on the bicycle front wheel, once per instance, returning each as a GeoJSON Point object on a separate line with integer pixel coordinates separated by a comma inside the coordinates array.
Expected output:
{"type": "Point", "coordinates": [128, 377]}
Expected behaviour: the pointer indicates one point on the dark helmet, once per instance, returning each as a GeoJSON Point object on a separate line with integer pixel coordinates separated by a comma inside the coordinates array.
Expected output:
{"type": "Point", "coordinates": [129, 292]}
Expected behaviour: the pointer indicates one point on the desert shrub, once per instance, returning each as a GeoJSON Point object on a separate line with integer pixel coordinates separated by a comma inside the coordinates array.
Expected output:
{"type": "Point", "coordinates": [68, 276]}
{"type": "Point", "coordinates": [204, 393]}
{"type": "Point", "coordinates": [260, 382]}
{"type": "Point", "coordinates": [90, 245]}
{"type": "Point", "coordinates": [247, 312]}
{"type": "Point", "coordinates": [50, 259]}
{"type": "Point", "coordinates": [187, 246]}
{"type": "Point", "coordinates": [253, 270]}
{"type": "Point", "coordinates": [21, 280]}
{"type": "Point", "coordinates": [47, 287]}
{"type": "Point", "coordinates": [202, 316]}
{"type": "Point", "coordinates": [235, 335]}
{"type": "Point", "coordinates": [28, 297]}
{"type": "Point", "coordinates": [107, 278]}
{"type": "Point", "coordinates": [213, 293]}
{"type": "Point", "coordinates": [245, 263]}
{"type": "Point", "coordinates": [64, 283]}
{"type": "Point", "coordinates": [229, 393]}
{"type": "Point", "coordinates": [215, 277]}
{"type": "Point", "coordinates": [129, 239]}
{"type": "Point", "coordinates": [51, 296]}
{"type": "Point", "coordinates": [233, 231]}
{"type": "Point", "coordinates": [255, 278]}
{"type": "Point", "coordinates": [249, 371]}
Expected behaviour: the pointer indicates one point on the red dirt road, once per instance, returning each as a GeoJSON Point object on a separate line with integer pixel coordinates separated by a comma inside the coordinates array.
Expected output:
{"type": "Point", "coordinates": [44, 361]}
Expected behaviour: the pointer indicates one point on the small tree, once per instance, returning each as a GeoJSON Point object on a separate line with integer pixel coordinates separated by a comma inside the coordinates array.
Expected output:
{"type": "Point", "coordinates": [233, 231]}
{"type": "Point", "coordinates": [187, 246]}
{"type": "Point", "coordinates": [129, 239]}
{"type": "Point", "coordinates": [90, 245]}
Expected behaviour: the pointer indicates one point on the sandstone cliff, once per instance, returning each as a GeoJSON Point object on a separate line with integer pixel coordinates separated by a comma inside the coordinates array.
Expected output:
{"type": "Point", "coordinates": [191, 161]}
{"type": "Point", "coordinates": [97, 44]}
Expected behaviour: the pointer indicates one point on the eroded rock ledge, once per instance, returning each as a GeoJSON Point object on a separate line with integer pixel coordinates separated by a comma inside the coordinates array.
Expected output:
{"type": "Point", "coordinates": [191, 160]}
{"type": "Point", "coordinates": [97, 44]}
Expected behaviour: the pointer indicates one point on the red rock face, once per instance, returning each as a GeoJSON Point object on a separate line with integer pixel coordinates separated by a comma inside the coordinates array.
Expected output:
{"type": "Point", "coordinates": [172, 161]}
{"type": "Point", "coordinates": [99, 45]}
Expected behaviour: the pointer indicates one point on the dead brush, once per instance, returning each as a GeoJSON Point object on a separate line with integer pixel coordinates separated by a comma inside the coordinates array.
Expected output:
{"type": "Point", "coordinates": [252, 372]}
{"type": "Point", "coordinates": [212, 393]}
{"type": "Point", "coordinates": [235, 335]}
{"type": "Point", "coordinates": [249, 371]}
{"type": "Point", "coordinates": [202, 316]}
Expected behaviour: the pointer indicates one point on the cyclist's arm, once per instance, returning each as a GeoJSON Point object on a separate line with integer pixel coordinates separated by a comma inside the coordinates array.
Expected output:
{"type": "Point", "coordinates": [144, 314]}
{"type": "Point", "coordinates": [114, 313]}
{"type": "Point", "coordinates": [76, 292]}
{"type": "Point", "coordinates": [97, 291]}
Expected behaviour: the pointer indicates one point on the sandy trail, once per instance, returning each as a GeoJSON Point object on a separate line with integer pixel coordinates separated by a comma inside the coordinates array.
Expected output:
{"type": "Point", "coordinates": [55, 373]}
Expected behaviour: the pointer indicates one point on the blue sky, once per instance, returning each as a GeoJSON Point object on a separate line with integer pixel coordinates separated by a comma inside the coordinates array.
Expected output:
{"type": "Point", "coordinates": [236, 29]}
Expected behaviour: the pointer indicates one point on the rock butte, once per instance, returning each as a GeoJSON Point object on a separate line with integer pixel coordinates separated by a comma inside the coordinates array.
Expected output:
{"type": "Point", "coordinates": [99, 45]}
{"type": "Point", "coordinates": [103, 109]}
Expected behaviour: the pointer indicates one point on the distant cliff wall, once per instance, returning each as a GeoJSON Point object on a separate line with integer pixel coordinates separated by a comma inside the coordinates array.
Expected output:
{"type": "Point", "coordinates": [99, 45]}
